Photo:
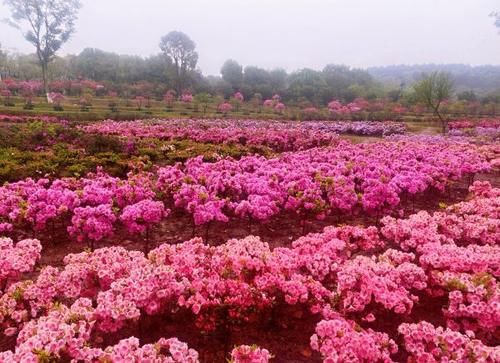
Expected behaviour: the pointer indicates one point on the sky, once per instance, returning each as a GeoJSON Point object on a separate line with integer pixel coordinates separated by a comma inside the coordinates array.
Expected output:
{"type": "Point", "coordinates": [290, 34]}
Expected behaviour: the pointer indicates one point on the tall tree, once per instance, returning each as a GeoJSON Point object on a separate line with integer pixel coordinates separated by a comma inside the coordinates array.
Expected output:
{"type": "Point", "coordinates": [47, 24]}
{"type": "Point", "coordinates": [181, 50]}
{"type": "Point", "coordinates": [232, 73]}
{"type": "Point", "coordinates": [432, 90]}
{"type": "Point", "coordinates": [3, 61]}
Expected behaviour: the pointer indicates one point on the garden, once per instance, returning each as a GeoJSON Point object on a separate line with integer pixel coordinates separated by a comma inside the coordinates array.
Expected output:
{"type": "Point", "coordinates": [183, 240]}
{"type": "Point", "coordinates": [155, 209]}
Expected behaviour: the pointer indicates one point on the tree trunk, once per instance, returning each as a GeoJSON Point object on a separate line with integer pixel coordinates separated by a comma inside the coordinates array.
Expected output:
{"type": "Point", "coordinates": [442, 120]}
{"type": "Point", "coordinates": [443, 127]}
{"type": "Point", "coordinates": [45, 83]}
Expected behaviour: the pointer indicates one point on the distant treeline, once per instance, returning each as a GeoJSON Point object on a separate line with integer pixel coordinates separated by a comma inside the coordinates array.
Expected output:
{"type": "Point", "coordinates": [480, 79]}
{"type": "Point", "coordinates": [305, 86]}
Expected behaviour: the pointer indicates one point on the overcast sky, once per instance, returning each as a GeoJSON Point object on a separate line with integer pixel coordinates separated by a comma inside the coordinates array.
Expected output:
{"type": "Point", "coordinates": [291, 34]}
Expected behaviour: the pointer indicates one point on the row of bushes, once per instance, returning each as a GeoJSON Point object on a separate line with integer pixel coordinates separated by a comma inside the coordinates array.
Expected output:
{"type": "Point", "coordinates": [38, 149]}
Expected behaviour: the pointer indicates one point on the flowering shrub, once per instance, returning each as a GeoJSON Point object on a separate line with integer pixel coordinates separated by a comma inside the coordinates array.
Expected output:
{"type": "Point", "coordinates": [279, 107]}
{"type": "Point", "coordinates": [26, 119]}
{"type": "Point", "coordinates": [268, 103]}
{"type": "Point", "coordinates": [169, 97]}
{"type": "Point", "coordinates": [282, 136]}
{"type": "Point", "coordinates": [16, 259]}
{"type": "Point", "coordinates": [362, 284]}
{"type": "Point", "coordinates": [364, 281]}
{"type": "Point", "coordinates": [92, 224]}
{"type": "Point", "coordinates": [238, 96]}
{"type": "Point", "coordinates": [225, 107]}
{"type": "Point", "coordinates": [468, 124]}
{"type": "Point", "coordinates": [56, 98]}
{"type": "Point", "coordinates": [65, 333]}
{"type": "Point", "coordinates": [340, 340]}
{"type": "Point", "coordinates": [486, 129]}
{"type": "Point", "coordinates": [250, 354]}
{"type": "Point", "coordinates": [425, 343]}
{"type": "Point", "coordinates": [187, 97]}
{"type": "Point", "coordinates": [336, 107]}
{"type": "Point", "coordinates": [357, 284]}
{"type": "Point", "coordinates": [141, 217]}
{"type": "Point", "coordinates": [343, 180]}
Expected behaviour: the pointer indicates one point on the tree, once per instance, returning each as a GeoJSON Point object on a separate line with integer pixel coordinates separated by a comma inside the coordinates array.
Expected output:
{"type": "Point", "coordinates": [277, 80]}
{"type": "Point", "coordinates": [204, 99]}
{"type": "Point", "coordinates": [47, 24]}
{"type": "Point", "coordinates": [432, 90]}
{"type": "Point", "coordinates": [181, 50]}
{"type": "Point", "coordinates": [469, 96]}
{"type": "Point", "coordinates": [232, 73]}
{"type": "Point", "coordinates": [3, 61]}
{"type": "Point", "coordinates": [309, 84]}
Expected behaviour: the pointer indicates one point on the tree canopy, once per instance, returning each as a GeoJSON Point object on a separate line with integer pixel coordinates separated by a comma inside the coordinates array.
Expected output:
{"type": "Point", "coordinates": [46, 24]}
{"type": "Point", "coordinates": [432, 90]}
{"type": "Point", "coordinates": [181, 50]}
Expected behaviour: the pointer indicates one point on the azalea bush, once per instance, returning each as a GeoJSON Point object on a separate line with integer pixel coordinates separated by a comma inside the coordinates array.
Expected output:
{"type": "Point", "coordinates": [370, 291]}
{"type": "Point", "coordinates": [100, 267]}
{"type": "Point", "coordinates": [279, 135]}
{"type": "Point", "coordinates": [341, 181]}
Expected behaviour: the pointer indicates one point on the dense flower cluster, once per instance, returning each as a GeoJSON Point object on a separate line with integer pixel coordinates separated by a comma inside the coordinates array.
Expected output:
{"type": "Point", "coordinates": [65, 333]}
{"type": "Point", "coordinates": [278, 135]}
{"type": "Point", "coordinates": [425, 343]}
{"type": "Point", "coordinates": [92, 223]}
{"type": "Point", "coordinates": [186, 97]}
{"type": "Point", "coordinates": [339, 340]}
{"type": "Point", "coordinates": [468, 124]}
{"type": "Point", "coordinates": [238, 96]}
{"type": "Point", "coordinates": [336, 107]}
{"type": "Point", "coordinates": [88, 207]}
{"type": "Point", "coordinates": [225, 107]}
{"type": "Point", "coordinates": [364, 281]}
{"type": "Point", "coordinates": [483, 129]}
{"type": "Point", "coordinates": [250, 354]}
{"type": "Point", "coordinates": [139, 217]}
{"type": "Point", "coordinates": [318, 182]}
{"type": "Point", "coordinates": [16, 259]}
{"type": "Point", "coordinates": [328, 274]}
{"type": "Point", "coordinates": [343, 180]}
{"type": "Point", "coordinates": [22, 119]}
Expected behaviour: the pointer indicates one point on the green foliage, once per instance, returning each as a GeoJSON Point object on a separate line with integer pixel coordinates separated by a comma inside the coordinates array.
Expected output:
{"type": "Point", "coordinates": [40, 149]}
{"type": "Point", "coordinates": [432, 90]}
{"type": "Point", "coordinates": [95, 144]}
{"type": "Point", "coordinates": [47, 25]}
{"type": "Point", "coordinates": [232, 73]}
{"type": "Point", "coordinates": [469, 96]}
{"type": "Point", "coordinates": [181, 50]}
{"type": "Point", "coordinates": [204, 99]}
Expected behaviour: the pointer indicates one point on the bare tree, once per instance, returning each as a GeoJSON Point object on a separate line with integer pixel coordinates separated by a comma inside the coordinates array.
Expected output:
{"type": "Point", "coordinates": [181, 50]}
{"type": "Point", "coordinates": [47, 24]}
{"type": "Point", "coordinates": [432, 91]}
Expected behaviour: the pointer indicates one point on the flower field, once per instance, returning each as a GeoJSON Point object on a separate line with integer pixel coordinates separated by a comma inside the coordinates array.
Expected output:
{"type": "Point", "coordinates": [321, 250]}
{"type": "Point", "coordinates": [279, 136]}
{"type": "Point", "coordinates": [489, 129]}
